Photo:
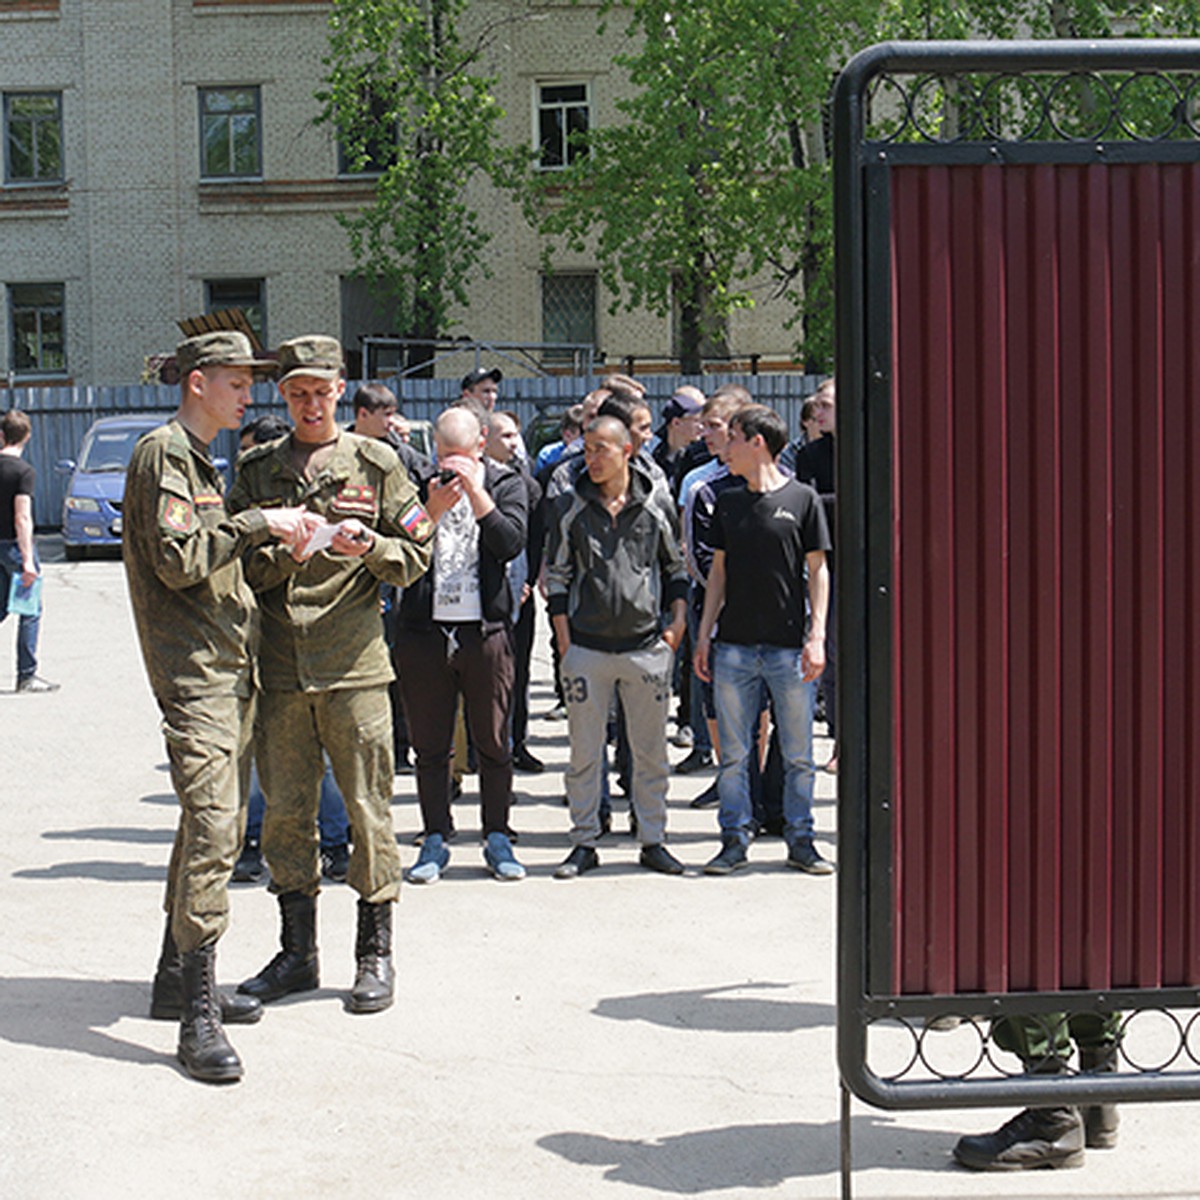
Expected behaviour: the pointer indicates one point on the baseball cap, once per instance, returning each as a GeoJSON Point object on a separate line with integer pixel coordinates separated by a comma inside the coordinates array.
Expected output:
{"type": "Point", "coordinates": [681, 405]}
{"type": "Point", "coordinates": [224, 348]}
{"type": "Point", "coordinates": [479, 375]}
{"type": "Point", "coordinates": [313, 354]}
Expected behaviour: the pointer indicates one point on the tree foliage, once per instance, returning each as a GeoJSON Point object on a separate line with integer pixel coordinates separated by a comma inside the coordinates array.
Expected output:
{"type": "Point", "coordinates": [716, 174]}
{"type": "Point", "coordinates": [402, 93]}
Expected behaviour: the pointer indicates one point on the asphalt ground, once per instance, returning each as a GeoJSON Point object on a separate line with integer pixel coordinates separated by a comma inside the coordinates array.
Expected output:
{"type": "Point", "coordinates": [622, 1034]}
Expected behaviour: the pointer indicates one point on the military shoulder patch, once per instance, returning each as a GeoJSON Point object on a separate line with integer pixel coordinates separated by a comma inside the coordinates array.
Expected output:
{"type": "Point", "coordinates": [176, 513]}
{"type": "Point", "coordinates": [414, 520]}
{"type": "Point", "coordinates": [209, 500]}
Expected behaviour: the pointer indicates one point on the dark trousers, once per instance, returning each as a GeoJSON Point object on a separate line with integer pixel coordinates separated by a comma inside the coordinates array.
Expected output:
{"type": "Point", "coordinates": [522, 652]}
{"type": "Point", "coordinates": [433, 672]}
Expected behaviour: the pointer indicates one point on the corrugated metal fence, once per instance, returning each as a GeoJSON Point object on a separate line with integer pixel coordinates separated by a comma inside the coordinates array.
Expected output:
{"type": "Point", "coordinates": [61, 416]}
{"type": "Point", "coordinates": [1047, 684]}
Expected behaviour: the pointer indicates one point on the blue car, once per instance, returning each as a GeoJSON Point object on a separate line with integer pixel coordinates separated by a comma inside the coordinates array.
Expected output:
{"type": "Point", "coordinates": [92, 506]}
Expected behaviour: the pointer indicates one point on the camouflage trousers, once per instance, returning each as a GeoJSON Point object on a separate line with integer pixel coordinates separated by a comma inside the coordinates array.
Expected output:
{"type": "Point", "coordinates": [354, 727]}
{"type": "Point", "coordinates": [1036, 1038]}
{"type": "Point", "coordinates": [208, 740]}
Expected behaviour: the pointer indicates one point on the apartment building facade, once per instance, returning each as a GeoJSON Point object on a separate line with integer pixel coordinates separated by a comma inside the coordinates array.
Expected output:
{"type": "Point", "coordinates": [161, 161]}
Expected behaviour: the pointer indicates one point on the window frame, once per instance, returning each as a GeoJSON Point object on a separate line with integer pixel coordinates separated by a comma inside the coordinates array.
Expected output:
{"type": "Point", "coordinates": [39, 369]}
{"type": "Point", "coordinates": [34, 180]}
{"type": "Point", "coordinates": [583, 273]}
{"type": "Point", "coordinates": [232, 281]}
{"type": "Point", "coordinates": [202, 93]}
{"type": "Point", "coordinates": [540, 107]}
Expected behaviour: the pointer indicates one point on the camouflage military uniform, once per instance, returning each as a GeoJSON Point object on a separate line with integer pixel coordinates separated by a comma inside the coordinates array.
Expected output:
{"type": "Point", "coordinates": [324, 667]}
{"type": "Point", "coordinates": [194, 612]}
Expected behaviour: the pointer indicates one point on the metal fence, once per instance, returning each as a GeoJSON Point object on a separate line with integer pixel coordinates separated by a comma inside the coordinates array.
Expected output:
{"type": "Point", "coordinates": [61, 416]}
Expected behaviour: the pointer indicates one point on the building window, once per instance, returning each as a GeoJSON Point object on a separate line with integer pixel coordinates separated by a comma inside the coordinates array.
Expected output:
{"type": "Point", "coordinates": [39, 343]}
{"type": "Point", "coordinates": [230, 133]}
{"type": "Point", "coordinates": [379, 147]}
{"type": "Point", "coordinates": [248, 295]}
{"type": "Point", "coordinates": [568, 312]}
{"type": "Point", "coordinates": [33, 137]}
{"type": "Point", "coordinates": [366, 313]}
{"type": "Point", "coordinates": [562, 119]}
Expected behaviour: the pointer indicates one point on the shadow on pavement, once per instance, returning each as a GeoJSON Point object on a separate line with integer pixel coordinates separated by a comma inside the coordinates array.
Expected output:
{"type": "Point", "coordinates": [70, 1014]}
{"type": "Point", "coordinates": [108, 872]}
{"type": "Point", "coordinates": [112, 833]}
{"type": "Point", "coordinates": [747, 1156]}
{"type": "Point", "coordinates": [716, 1010]}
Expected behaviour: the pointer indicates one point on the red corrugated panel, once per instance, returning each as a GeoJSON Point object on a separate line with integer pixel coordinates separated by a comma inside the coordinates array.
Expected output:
{"type": "Point", "coordinates": [1047, 577]}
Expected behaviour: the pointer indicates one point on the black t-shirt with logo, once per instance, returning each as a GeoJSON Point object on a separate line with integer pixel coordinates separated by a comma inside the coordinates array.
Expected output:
{"type": "Point", "coordinates": [765, 536]}
{"type": "Point", "coordinates": [16, 479]}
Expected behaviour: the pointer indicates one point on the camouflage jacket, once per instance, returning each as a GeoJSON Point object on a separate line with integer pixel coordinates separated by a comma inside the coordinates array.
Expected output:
{"type": "Point", "coordinates": [321, 623]}
{"type": "Point", "coordinates": [183, 559]}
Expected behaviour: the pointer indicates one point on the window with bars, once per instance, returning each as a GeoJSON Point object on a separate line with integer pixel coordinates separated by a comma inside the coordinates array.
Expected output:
{"type": "Point", "coordinates": [568, 311]}
{"type": "Point", "coordinates": [33, 137]}
{"type": "Point", "coordinates": [562, 119]}
{"type": "Point", "coordinates": [250, 295]}
{"type": "Point", "coordinates": [38, 328]}
{"type": "Point", "coordinates": [230, 133]}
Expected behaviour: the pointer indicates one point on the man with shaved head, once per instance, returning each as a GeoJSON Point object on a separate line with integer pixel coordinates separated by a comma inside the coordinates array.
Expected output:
{"type": "Point", "coordinates": [612, 565]}
{"type": "Point", "coordinates": [455, 636]}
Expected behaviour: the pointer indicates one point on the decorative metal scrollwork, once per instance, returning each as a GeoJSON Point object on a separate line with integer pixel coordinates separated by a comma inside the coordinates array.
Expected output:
{"type": "Point", "coordinates": [1083, 106]}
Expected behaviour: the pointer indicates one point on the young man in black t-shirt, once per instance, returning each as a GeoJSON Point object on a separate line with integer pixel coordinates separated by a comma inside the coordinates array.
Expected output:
{"type": "Point", "coordinates": [18, 555]}
{"type": "Point", "coordinates": [769, 542]}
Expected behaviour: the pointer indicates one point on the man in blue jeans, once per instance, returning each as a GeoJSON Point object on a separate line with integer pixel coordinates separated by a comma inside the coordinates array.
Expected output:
{"type": "Point", "coordinates": [18, 555]}
{"type": "Point", "coordinates": [769, 541]}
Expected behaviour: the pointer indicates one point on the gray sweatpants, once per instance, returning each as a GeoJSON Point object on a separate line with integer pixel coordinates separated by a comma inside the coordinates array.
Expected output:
{"type": "Point", "coordinates": [642, 679]}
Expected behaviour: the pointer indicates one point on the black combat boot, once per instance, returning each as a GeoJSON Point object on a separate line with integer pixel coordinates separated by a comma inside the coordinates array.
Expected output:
{"type": "Point", "coordinates": [1100, 1121]}
{"type": "Point", "coordinates": [294, 968]}
{"type": "Point", "coordinates": [166, 995]}
{"type": "Point", "coordinates": [374, 980]}
{"type": "Point", "coordinates": [1035, 1137]}
{"type": "Point", "coordinates": [203, 1048]}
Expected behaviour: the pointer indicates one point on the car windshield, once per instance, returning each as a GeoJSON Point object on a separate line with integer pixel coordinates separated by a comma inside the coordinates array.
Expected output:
{"type": "Point", "coordinates": [108, 449]}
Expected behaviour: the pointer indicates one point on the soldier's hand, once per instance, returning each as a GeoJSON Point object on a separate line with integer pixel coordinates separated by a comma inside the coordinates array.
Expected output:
{"type": "Point", "coordinates": [291, 525]}
{"type": "Point", "coordinates": [352, 539]}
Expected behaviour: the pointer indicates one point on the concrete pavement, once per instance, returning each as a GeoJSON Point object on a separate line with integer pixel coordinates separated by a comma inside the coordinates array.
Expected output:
{"type": "Point", "coordinates": [617, 1035]}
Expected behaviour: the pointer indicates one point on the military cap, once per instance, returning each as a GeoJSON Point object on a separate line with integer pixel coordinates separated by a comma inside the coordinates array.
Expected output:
{"type": "Point", "coordinates": [313, 354]}
{"type": "Point", "coordinates": [225, 348]}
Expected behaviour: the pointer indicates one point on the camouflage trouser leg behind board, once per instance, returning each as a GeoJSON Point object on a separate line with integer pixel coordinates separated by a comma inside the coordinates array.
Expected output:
{"type": "Point", "coordinates": [207, 740]}
{"type": "Point", "coordinates": [354, 727]}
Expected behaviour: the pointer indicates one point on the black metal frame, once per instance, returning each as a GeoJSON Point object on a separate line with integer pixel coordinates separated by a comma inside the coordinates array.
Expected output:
{"type": "Point", "coordinates": [865, 887]}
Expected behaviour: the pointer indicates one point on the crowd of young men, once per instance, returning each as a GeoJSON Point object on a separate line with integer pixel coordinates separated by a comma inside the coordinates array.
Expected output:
{"type": "Point", "coordinates": [324, 528]}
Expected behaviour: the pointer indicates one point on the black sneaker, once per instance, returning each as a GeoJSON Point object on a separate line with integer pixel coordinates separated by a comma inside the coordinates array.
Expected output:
{"type": "Point", "coordinates": [709, 798]}
{"type": "Point", "coordinates": [731, 858]}
{"type": "Point", "coordinates": [659, 858]}
{"type": "Point", "coordinates": [249, 866]}
{"type": "Point", "coordinates": [804, 856]}
{"type": "Point", "coordinates": [581, 860]}
{"type": "Point", "coordinates": [697, 760]}
{"type": "Point", "coordinates": [335, 862]}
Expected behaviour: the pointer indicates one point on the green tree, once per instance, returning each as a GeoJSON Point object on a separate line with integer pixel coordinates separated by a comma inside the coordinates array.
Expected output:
{"type": "Point", "coordinates": [716, 176]}
{"type": "Point", "coordinates": [402, 92]}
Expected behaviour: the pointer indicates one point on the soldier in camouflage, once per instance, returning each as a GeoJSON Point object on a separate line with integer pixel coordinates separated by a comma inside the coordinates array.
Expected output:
{"type": "Point", "coordinates": [193, 612]}
{"type": "Point", "coordinates": [324, 665]}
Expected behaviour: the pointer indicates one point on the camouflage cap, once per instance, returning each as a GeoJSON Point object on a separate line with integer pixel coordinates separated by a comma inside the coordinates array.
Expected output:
{"type": "Point", "coordinates": [225, 348]}
{"type": "Point", "coordinates": [314, 354]}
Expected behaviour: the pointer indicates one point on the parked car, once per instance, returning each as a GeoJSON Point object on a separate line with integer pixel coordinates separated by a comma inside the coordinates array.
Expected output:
{"type": "Point", "coordinates": [91, 513]}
